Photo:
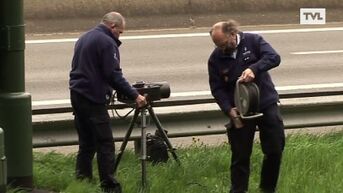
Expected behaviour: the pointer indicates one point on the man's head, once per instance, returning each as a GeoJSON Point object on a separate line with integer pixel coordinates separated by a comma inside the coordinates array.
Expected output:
{"type": "Point", "coordinates": [115, 22]}
{"type": "Point", "coordinates": [224, 35]}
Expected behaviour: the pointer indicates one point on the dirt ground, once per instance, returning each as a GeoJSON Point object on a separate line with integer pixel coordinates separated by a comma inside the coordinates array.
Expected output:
{"type": "Point", "coordinates": [175, 21]}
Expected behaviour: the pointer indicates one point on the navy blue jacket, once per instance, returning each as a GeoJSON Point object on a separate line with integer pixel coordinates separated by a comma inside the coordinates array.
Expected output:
{"type": "Point", "coordinates": [96, 66]}
{"type": "Point", "coordinates": [252, 52]}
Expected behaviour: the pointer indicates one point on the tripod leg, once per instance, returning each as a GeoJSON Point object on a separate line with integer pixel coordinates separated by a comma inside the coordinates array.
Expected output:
{"type": "Point", "coordinates": [163, 133]}
{"type": "Point", "coordinates": [143, 149]}
{"type": "Point", "coordinates": [126, 139]}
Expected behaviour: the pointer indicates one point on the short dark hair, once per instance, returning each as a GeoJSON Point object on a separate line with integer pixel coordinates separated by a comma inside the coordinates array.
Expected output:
{"type": "Point", "coordinates": [230, 27]}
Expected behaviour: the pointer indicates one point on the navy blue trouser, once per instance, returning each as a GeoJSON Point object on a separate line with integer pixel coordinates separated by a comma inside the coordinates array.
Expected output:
{"type": "Point", "coordinates": [95, 136]}
{"type": "Point", "coordinates": [272, 139]}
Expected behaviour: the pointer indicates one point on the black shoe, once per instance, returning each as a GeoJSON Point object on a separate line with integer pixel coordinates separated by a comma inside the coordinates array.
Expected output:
{"type": "Point", "coordinates": [114, 189]}
{"type": "Point", "coordinates": [267, 190]}
{"type": "Point", "coordinates": [231, 191]}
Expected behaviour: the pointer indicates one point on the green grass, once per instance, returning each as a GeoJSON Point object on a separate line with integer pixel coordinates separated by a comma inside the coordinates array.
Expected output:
{"type": "Point", "coordinates": [310, 164]}
{"type": "Point", "coordinates": [313, 164]}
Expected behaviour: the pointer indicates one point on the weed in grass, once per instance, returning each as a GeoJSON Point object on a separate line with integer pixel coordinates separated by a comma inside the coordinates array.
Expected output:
{"type": "Point", "coordinates": [14, 190]}
{"type": "Point", "coordinates": [82, 186]}
{"type": "Point", "coordinates": [53, 171]}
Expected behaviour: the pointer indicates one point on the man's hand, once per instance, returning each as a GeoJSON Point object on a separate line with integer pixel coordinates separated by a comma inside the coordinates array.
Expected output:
{"type": "Point", "coordinates": [141, 101]}
{"type": "Point", "coordinates": [247, 76]}
{"type": "Point", "coordinates": [236, 119]}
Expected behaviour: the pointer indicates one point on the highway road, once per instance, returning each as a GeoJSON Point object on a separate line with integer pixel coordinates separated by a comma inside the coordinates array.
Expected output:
{"type": "Point", "coordinates": [310, 55]}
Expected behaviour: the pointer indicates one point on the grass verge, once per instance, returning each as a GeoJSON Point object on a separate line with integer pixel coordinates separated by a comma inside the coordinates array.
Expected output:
{"type": "Point", "coordinates": [310, 164]}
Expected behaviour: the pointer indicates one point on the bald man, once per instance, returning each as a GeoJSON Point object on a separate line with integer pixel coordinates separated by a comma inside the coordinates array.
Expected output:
{"type": "Point", "coordinates": [248, 58]}
{"type": "Point", "coordinates": [95, 73]}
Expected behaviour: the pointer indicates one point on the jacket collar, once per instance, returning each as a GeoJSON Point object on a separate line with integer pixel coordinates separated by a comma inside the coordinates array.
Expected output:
{"type": "Point", "coordinates": [103, 28]}
{"type": "Point", "coordinates": [242, 35]}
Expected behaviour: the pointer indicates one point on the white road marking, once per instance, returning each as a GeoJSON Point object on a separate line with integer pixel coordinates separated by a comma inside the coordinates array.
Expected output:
{"type": "Point", "coordinates": [161, 36]}
{"type": "Point", "coordinates": [51, 102]}
{"type": "Point", "coordinates": [310, 86]}
{"type": "Point", "coordinates": [318, 52]}
{"type": "Point", "coordinates": [201, 93]}
{"type": "Point", "coordinates": [47, 41]}
{"type": "Point", "coordinates": [191, 93]}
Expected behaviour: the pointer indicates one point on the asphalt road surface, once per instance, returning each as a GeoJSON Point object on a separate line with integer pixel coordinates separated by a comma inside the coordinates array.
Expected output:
{"type": "Point", "coordinates": [310, 55]}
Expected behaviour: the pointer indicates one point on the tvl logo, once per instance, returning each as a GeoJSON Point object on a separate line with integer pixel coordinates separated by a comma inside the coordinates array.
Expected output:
{"type": "Point", "coordinates": [312, 16]}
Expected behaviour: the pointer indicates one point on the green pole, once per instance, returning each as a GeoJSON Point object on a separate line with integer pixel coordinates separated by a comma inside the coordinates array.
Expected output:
{"type": "Point", "coordinates": [15, 104]}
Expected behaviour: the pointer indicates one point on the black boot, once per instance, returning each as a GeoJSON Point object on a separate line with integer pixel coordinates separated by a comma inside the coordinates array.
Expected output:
{"type": "Point", "coordinates": [265, 190]}
{"type": "Point", "coordinates": [113, 189]}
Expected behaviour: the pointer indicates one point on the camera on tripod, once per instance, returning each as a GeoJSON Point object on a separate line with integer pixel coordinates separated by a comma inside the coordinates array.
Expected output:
{"type": "Point", "coordinates": [152, 91]}
{"type": "Point", "coordinates": [155, 149]}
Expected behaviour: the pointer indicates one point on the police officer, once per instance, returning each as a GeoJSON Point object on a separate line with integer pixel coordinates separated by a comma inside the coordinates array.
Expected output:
{"type": "Point", "coordinates": [95, 73]}
{"type": "Point", "coordinates": [247, 57]}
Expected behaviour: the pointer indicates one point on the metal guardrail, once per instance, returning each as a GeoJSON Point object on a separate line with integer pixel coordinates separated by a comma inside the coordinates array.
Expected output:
{"type": "Point", "coordinates": [284, 94]}
{"type": "Point", "coordinates": [307, 113]}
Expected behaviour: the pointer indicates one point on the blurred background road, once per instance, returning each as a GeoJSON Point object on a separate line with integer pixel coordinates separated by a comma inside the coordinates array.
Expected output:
{"type": "Point", "coordinates": [310, 55]}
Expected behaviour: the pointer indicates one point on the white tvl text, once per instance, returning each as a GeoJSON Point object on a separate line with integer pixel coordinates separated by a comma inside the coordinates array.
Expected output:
{"type": "Point", "coordinates": [312, 16]}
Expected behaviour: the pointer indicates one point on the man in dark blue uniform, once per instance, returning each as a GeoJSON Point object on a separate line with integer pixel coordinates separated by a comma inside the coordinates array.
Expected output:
{"type": "Point", "coordinates": [95, 73]}
{"type": "Point", "coordinates": [247, 57]}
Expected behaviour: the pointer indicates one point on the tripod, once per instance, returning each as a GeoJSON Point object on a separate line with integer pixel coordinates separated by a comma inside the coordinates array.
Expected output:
{"type": "Point", "coordinates": [143, 158]}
